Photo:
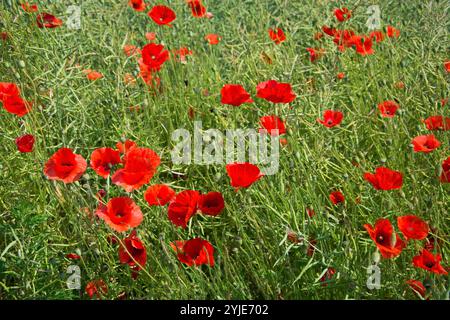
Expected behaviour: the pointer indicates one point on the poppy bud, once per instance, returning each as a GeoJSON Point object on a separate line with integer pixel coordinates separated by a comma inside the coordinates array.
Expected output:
{"type": "Point", "coordinates": [376, 257]}
{"type": "Point", "coordinates": [21, 63]}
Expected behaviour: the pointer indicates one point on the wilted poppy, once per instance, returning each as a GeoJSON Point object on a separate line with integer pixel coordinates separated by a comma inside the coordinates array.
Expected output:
{"type": "Point", "coordinates": [277, 35]}
{"type": "Point", "coordinates": [131, 50]}
{"type": "Point", "coordinates": [235, 95]}
{"type": "Point", "coordinates": [342, 14]}
{"type": "Point", "coordinates": [194, 252]}
{"type": "Point", "coordinates": [97, 288]}
{"type": "Point", "coordinates": [154, 56]}
{"type": "Point", "coordinates": [120, 213]}
{"type": "Point", "coordinates": [389, 243]}
{"type": "Point", "coordinates": [159, 195]}
{"type": "Point", "coordinates": [392, 32]}
{"type": "Point", "coordinates": [65, 165]}
{"type": "Point", "coordinates": [275, 92]}
{"type": "Point", "coordinates": [445, 175]}
{"type": "Point", "coordinates": [337, 197]}
{"type": "Point", "coordinates": [211, 203]}
{"type": "Point", "coordinates": [385, 179]}
{"type": "Point", "coordinates": [388, 108]}
{"type": "Point", "coordinates": [437, 123]}
{"type": "Point", "coordinates": [243, 175]}
{"type": "Point", "coordinates": [412, 227]}
{"type": "Point", "coordinates": [137, 5]}
{"type": "Point", "coordinates": [16, 105]}
{"type": "Point", "coordinates": [92, 74]}
{"type": "Point", "coordinates": [162, 15]}
{"type": "Point", "coordinates": [426, 143]}
{"type": "Point", "coordinates": [272, 122]}
{"type": "Point", "coordinates": [25, 143]}
{"type": "Point", "coordinates": [140, 165]}
{"type": "Point", "coordinates": [183, 207]}
{"type": "Point", "coordinates": [29, 7]}
{"type": "Point", "coordinates": [430, 262]}
{"type": "Point", "coordinates": [46, 20]}
{"type": "Point", "coordinates": [103, 159]}
{"type": "Point", "coordinates": [133, 253]}
{"type": "Point", "coordinates": [213, 38]}
{"type": "Point", "coordinates": [197, 8]}
{"type": "Point", "coordinates": [331, 118]}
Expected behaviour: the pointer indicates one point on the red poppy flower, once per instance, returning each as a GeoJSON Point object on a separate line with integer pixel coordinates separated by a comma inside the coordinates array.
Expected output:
{"type": "Point", "coordinates": [194, 252]}
{"type": "Point", "coordinates": [272, 122]}
{"type": "Point", "coordinates": [159, 195]}
{"type": "Point", "coordinates": [4, 36]}
{"type": "Point", "coordinates": [312, 244]}
{"type": "Point", "coordinates": [137, 5]}
{"type": "Point", "coordinates": [340, 75]}
{"type": "Point", "coordinates": [388, 108]}
{"type": "Point", "coordinates": [444, 102]}
{"type": "Point", "coordinates": [337, 197]}
{"type": "Point", "coordinates": [124, 147]}
{"type": "Point", "coordinates": [235, 95]}
{"type": "Point", "coordinates": [46, 20]}
{"type": "Point", "coordinates": [16, 105]}
{"type": "Point", "coordinates": [131, 50]}
{"type": "Point", "coordinates": [437, 123]}
{"type": "Point", "coordinates": [147, 76]}
{"type": "Point", "coordinates": [103, 159]}
{"type": "Point", "coordinates": [331, 118]}
{"type": "Point", "coordinates": [243, 175]}
{"type": "Point", "coordinates": [325, 279]}
{"type": "Point", "coordinates": [29, 7]}
{"type": "Point", "coordinates": [197, 8]}
{"type": "Point", "coordinates": [120, 213]}
{"type": "Point", "coordinates": [430, 262]}
{"type": "Point", "coordinates": [412, 227]}
{"type": "Point", "coordinates": [133, 253]}
{"type": "Point", "coordinates": [277, 35]}
{"type": "Point", "coordinates": [418, 287]}
{"type": "Point", "coordinates": [73, 256]}
{"type": "Point", "coordinates": [182, 53]}
{"type": "Point", "coordinates": [426, 143]}
{"type": "Point", "coordinates": [213, 38]}
{"type": "Point", "coordinates": [275, 92]}
{"type": "Point", "coordinates": [389, 244]}
{"type": "Point", "coordinates": [445, 175]}
{"type": "Point", "coordinates": [8, 89]}
{"type": "Point", "coordinates": [25, 143]}
{"type": "Point", "coordinates": [183, 207]}
{"type": "Point", "coordinates": [377, 34]}
{"type": "Point", "coordinates": [154, 56]}
{"type": "Point", "coordinates": [344, 39]}
{"type": "Point", "coordinates": [162, 15]}
{"type": "Point", "coordinates": [447, 65]}
{"type": "Point", "coordinates": [329, 31]}
{"type": "Point", "coordinates": [97, 288]}
{"type": "Point", "coordinates": [342, 14]}
{"type": "Point", "coordinates": [211, 203]}
{"type": "Point", "coordinates": [65, 165]}
{"type": "Point", "coordinates": [392, 32]}
{"type": "Point", "coordinates": [385, 179]}
{"type": "Point", "coordinates": [362, 44]}
{"type": "Point", "coordinates": [92, 74]}
{"type": "Point", "coordinates": [140, 164]}
{"type": "Point", "coordinates": [314, 54]}
{"type": "Point", "coordinates": [150, 36]}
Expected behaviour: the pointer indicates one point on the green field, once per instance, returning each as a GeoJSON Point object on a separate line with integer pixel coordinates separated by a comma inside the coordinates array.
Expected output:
{"type": "Point", "coordinates": [41, 221]}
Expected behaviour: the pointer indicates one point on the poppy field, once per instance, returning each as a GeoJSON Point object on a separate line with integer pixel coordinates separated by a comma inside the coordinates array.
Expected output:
{"type": "Point", "coordinates": [122, 175]}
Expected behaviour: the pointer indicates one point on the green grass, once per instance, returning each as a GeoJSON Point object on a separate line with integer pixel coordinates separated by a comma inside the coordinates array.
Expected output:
{"type": "Point", "coordinates": [41, 221]}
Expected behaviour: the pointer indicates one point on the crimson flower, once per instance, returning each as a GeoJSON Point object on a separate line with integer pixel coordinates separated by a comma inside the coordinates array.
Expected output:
{"type": "Point", "coordinates": [277, 35]}
{"type": "Point", "coordinates": [272, 122]}
{"type": "Point", "coordinates": [326, 278]}
{"type": "Point", "coordinates": [211, 203]}
{"type": "Point", "coordinates": [418, 287]}
{"type": "Point", "coordinates": [197, 8]}
{"type": "Point", "coordinates": [25, 143]}
{"type": "Point", "coordinates": [342, 14]}
{"type": "Point", "coordinates": [385, 179]}
{"type": "Point", "coordinates": [16, 105]}
{"type": "Point", "coordinates": [120, 213]}
{"type": "Point", "coordinates": [337, 197]}
{"type": "Point", "coordinates": [430, 262]}
{"type": "Point", "coordinates": [445, 175]}
{"type": "Point", "coordinates": [235, 95]}
{"type": "Point", "coordinates": [159, 195]}
{"type": "Point", "coordinates": [389, 243]}
{"type": "Point", "coordinates": [194, 252]}
{"type": "Point", "coordinates": [392, 32]}
{"type": "Point", "coordinates": [29, 7]}
{"type": "Point", "coordinates": [362, 44]}
{"type": "Point", "coordinates": [133, 253]}
{"type": "Point", "coordinates": [46, 20]}
{"type": "Point", "coordinates": [331, 118]}
{"type": "Point", "coordinates": [437, 123]}
{"type": "Point", "coordinates": [137, 5]}
{"type": "Point", "coordinates": [378, 35]}
{"type": "Point", "coordinates": [183, 207]}
{"type": "Point", "coordinates": [162, 15]}
{"type": "Point", "coordinates": [413, 227]}
{"type": "Point", "coordinates": [103, 159]}
{"type": "Point", "coordinates": [243, 175]}
{"type": "Point", "coordinates": [97, 288]}
{"type": "Point", "coordinates": [388, 108]}
{"type": "Point", "coordinates": [154, 56]}
{"type": "Point", "coordinates": [213, 38]}
{"type": "Point", "coordinates": [275, 92]}
{"type": "Point", "coordinates": [8, 89]}
{"type": "Point", "coordinates": [65, 165]}
{"type": "Point", "coordinates": [426, 143]}
{"type": "Point", "coordinates": [314, 54]}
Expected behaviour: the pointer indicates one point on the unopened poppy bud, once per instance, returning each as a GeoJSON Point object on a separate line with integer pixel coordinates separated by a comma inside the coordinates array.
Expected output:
{"type": "Point", "coordinates": [376, 257]}
{"type": "Point", "coordinates": [21, 63]}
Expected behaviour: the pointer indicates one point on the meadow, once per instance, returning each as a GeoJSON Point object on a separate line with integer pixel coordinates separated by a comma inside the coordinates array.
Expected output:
{"type": "Point", "coordinates": [282, 236]}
